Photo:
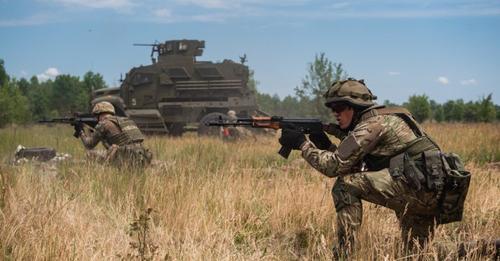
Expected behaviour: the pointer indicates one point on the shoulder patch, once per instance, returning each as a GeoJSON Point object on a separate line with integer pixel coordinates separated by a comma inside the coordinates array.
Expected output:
{"type": "Point", "coordinates": [371, 138]}
{"type": "Point", "coordinates": [347, 147]}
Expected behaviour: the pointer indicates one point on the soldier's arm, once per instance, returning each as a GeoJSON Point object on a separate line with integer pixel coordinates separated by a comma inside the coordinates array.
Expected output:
{"type": "Point", "coordinates": [90, 140]}
{"type": "Point", "coordinates": [351, 150]}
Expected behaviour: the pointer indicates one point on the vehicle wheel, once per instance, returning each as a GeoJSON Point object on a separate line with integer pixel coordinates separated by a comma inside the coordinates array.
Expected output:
{"type": "Point", "coordinates": [204, 130]}
{"type": "Point", "coordinates": [176, 129]}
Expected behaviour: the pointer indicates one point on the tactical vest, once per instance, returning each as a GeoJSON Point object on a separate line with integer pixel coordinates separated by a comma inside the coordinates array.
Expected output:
{"type": "Point", "coordinates": [414, 149]}
{"type": "Point", "coordinates": [129, 134]}
{"type": "Point", "coordinates": [420, 161]}
{"type": "Point", "coordinates": [424, 166]}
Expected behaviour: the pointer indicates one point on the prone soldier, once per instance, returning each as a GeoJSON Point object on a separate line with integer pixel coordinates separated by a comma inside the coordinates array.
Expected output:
{"type": "Point", "coordinates": [385, 158]}
{"type": "Point", "coordinates": [120, 136]}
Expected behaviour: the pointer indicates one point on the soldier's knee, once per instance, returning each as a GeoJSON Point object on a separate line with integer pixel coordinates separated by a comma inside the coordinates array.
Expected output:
{"type": "Point", "coordinates": [344, 195]}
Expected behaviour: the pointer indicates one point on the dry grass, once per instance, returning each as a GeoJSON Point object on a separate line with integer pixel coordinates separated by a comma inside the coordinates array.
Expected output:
{"type": "Point", "coordinates": [210, 201]}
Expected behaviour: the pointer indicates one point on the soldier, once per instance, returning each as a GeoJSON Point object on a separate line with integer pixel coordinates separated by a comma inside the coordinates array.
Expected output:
{"type": "Point", "coordinates": [233, 133]}
{"type": "Point", "coordinates": [119, 135]}
{"type": "Point", "coordinates": [384, 158]}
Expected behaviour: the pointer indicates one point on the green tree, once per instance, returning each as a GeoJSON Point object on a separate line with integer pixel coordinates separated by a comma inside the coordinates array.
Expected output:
{"type": "Point", "coordinates": [252, 83]}
{"type": "Point", "coordinates": [470, 112]}
{"type": "Point", "coordinates": [4, 77]}
{"type": "Point", "coordinates": [93, 81]}
{"type": "Point", "coordinates": [419, 106]}
{"type": "Point", "coordinates": [486, 109]}
{"type": "Point", "coordinates": [13, 105]}
{"type": "Point", "coordinates": [69, 95]}
{"type": "Point", "coordinates": [320, 76]}
{"type": "Point", "coordinates": [24, 86]}
{"type": "Point", "coordinates": [39, 98]}
{"type": "Point", "coordinates": [497, 108]}
{"type": "Point", "coordinates": [454, 110]}
{"type": "Point", "coordinates": [437, 111]}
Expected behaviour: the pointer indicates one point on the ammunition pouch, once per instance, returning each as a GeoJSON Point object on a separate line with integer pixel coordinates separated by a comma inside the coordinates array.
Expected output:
{"type": "Point", "coordinates": [456, 186]}
{"type": "Point", "coordinates": [442, 173]}
{"type": "Point", "coordinates": [424, 171]}
{"type": "Point", "coordinates": [403, 165]}
{"type": "Point", "coordinates": [412, 165]}
{"type": "Point", "coordinates": [434, 170]}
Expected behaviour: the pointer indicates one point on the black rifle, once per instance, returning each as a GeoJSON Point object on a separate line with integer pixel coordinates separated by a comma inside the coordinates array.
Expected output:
{"type": "Point", "coordinates": [78, 121]}
{"type": "Point", "coordinates": [306, 126]}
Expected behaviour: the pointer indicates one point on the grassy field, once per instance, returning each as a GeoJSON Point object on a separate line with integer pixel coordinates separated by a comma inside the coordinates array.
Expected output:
{"type": "Point", "coordinates": [208, 200]}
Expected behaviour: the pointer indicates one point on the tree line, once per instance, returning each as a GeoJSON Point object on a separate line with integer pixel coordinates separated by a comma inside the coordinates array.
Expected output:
{"type": "Point", "coordinates": [24, 101]}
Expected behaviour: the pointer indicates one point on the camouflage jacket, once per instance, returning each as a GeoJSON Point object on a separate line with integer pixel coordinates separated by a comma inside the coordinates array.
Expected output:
{"type": "Point", "coordinates": [104, 130]}
{"type": "Point", "coordinates": [379, 136]}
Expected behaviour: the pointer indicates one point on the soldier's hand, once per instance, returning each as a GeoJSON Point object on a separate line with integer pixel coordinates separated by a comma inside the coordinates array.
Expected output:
{"type": "Point", "coordinates": [321, 141]}
{"type": "Point", "coordinates": [78, 131]}
{"type": "Point", "coordinates": [292, 138]}
{"type": "Point", "coordinates": [336, 131]}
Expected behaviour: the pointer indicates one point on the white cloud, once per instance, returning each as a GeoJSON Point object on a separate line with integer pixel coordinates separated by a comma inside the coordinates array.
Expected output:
{"type": "Point", "coordinates": [394, 73]}
{"type": "Point", "coordinates": [119, 5]}
{"type": "Point", "coordinates": [238, 4]}
{"type": "Point", "coordinates": [50, 73]}
{"type": "Point", "coordinates": [443, 80]}
{"type": "Point", "coordinates": [37, 19]}
{"type": "Point", "coordinates": [209, 3]}
{"type": "Point", "coordinates": [340, 5]}
{"type": "Point", "coordinates": [162, 13]}
{"type": "Point", "coordinates": [471, 81]}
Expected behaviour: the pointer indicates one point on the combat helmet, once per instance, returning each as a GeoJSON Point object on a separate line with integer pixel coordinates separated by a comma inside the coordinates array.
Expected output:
{"type": "Point", "coordinates": [102, 107]}
{"type": "Point", "coordinates": [351, 91]}
{"type": "Point", "coordinates": [231, 113]}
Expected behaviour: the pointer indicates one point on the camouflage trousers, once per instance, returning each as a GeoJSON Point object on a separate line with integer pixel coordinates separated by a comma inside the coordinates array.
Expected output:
{"type": "Point", "coordinates": [416, 211]}
{"type": "Point", "coordinates": [127, 156]}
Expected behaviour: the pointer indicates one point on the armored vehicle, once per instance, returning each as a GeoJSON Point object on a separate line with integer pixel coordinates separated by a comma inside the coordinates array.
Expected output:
{"type": "Point", "coordinates": [176, 92]}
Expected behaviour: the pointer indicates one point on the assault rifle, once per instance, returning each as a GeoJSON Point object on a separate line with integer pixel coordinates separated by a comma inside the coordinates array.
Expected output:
{"type": "Point", "coordinates": [78, 122]}
{"type": "Point", "coordinates": [306, 126]}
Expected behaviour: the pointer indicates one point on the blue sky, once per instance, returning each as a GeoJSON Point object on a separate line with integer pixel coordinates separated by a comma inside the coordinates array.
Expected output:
{"type": "Point", "coordinates": [447, 49]}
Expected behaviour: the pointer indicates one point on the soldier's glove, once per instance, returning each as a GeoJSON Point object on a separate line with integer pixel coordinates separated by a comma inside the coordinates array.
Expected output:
{"type": "Point", "coordinates": [321, 141]}
{"type": "Point", "coordinates": [78, 130]}
{"type": "Point", "coordinates": [336, 131]}
{"type": "Point", "coordinates": [292, 138]}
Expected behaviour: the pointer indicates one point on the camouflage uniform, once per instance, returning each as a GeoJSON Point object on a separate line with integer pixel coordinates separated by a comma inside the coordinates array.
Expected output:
{"type": "Point", "coordinates": [359, 177]}
{"type": "Point", "coordinates": [122, 139]}
{"type": "Point", "coordinates": [383, 159]}
{"type": "Point", "coordinates": [233, 133]}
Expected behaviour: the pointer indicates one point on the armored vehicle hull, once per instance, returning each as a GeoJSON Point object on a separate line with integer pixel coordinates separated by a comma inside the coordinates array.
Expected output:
{"type": "Point", "coordinates": [176, 93]}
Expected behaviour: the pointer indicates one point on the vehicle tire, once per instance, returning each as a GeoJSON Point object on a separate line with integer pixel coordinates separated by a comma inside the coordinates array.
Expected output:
{"type": "Point", "coordinates": [175, 129]}
{"type": "Point", "coordinates": [204, 130]}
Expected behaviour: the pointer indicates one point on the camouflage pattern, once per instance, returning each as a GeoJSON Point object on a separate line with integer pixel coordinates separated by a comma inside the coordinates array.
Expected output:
{"type": "Point", "coordinates": [127, 150]}
{"type": "Point", "coordinates": [103, 107]}
{"type": "Point", "coordinates": [350, 91]}
{"type": "Point", "coordinates": [233, 133]}
{"type": "Point", "coordinates": [380, 136]}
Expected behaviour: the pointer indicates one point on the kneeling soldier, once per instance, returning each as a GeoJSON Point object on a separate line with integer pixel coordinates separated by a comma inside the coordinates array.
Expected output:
{"type": "Point", "coordinates": [119, 135]}
{"type": "Point", "coordinates": [385, 158]}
